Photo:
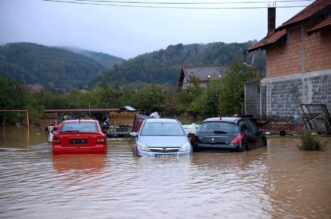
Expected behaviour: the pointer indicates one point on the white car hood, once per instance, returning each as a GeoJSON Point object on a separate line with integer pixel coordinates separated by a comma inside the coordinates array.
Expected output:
{"type": "Point", "coordinates": [163, 141]}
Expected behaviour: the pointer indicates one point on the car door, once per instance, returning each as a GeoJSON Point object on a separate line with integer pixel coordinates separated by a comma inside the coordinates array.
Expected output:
{"type": "Point", "coordinates": [256, 134]}
{"type": "Point", "coordinates": [247, 131]}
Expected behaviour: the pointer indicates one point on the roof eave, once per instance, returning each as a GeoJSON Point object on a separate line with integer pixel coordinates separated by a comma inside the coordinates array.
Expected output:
{"type": "Point", "coordinates": [281, 39]}
{"type": "Point", "coordinates": [257, 48]}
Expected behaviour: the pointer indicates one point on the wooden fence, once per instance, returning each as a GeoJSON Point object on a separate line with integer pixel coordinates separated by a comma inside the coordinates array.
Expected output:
{"type": "Point", "coordinates": [121, 118]}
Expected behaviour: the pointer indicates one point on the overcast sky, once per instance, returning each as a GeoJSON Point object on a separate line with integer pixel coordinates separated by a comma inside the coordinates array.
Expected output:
{"type": "Point", "coordinates": [128, 32]}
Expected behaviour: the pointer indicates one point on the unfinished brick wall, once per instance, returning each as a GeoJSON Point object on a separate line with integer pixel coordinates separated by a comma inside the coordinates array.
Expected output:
{"type": "Point", "coordinates": [285, 58]}
{"type": "Point", "coordinates": [318, 51]}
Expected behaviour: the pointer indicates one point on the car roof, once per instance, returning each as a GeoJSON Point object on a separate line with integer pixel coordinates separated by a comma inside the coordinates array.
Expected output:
{"type": "Point", "coordinates": [149, 120]}
{"type": "Point", "coordinates": [223, 119]}
{"type": "Point", "coordinates": [79, 120]}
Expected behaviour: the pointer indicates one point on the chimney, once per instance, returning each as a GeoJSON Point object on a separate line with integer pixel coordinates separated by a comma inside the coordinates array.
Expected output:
{"type": "Point", "coordinates": [271, 19]}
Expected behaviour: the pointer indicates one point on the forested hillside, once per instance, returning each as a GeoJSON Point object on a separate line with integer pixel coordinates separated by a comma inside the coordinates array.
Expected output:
{"type": "Point", "coordinates": [54, 68]}
{"type": "Point", "coordinates": [58, 69]}
{"type": "Point", "coordinates": [164, 66]}
{"type": "Point", "coordinates": [105, 60]}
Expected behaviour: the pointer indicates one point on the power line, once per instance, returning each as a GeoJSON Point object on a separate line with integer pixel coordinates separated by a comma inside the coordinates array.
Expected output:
{"type": "Point", "coordinates": [192, 3]}
{"type": "Point", "coordinates": [132, 5]}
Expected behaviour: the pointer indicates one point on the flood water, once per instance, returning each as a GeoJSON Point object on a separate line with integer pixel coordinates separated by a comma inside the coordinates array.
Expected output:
{"type": "Point", "coordinates": [279, 181]}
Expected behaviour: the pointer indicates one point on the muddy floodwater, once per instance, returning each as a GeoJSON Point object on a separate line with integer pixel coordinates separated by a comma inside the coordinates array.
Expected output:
{"type": "Point", "coordinates": [278, 181]}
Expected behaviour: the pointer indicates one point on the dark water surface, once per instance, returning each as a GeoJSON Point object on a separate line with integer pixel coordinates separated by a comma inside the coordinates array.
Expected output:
{"type": "Point", "coordinates": [275, 182]}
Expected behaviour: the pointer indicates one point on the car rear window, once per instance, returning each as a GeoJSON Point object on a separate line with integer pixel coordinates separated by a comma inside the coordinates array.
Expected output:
{"type": "Point", "coordinates": [218, 127]}
{"type": "Point", "coordinates": [79, 127]}
{"type": "Point", "coordinates": [162, 129]}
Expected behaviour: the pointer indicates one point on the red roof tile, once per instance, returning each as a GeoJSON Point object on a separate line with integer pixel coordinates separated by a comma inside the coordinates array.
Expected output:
{"type": "Point", "coordinates": [321, 25]}
{"type": "Point", "coordinates": [307, 12]}
{"type": "Point", "coordinates": [320, 8]}
{"type": "Point", "coordinates": [269, 39]}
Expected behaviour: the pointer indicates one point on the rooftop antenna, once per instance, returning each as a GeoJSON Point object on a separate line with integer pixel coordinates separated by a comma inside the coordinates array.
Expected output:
{"type": "Point", "coordinates": [253, 58]}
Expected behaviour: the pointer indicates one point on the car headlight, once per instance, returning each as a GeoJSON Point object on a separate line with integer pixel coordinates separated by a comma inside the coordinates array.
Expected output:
{"type": "Point", "coordinates": [185, 147]}
{"type": "Point", "coordinates": [142, 147]}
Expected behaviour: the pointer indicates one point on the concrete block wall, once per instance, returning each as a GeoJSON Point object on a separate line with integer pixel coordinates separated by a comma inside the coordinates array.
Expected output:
{"type": "Point", "coordinates": [285, 94]}
{"type": "Point", "coordinates": [284, 98]}
{"type": "Point", "coordinates": [263, 102]}
{"type": "Point", "coordinates": [252, 98]}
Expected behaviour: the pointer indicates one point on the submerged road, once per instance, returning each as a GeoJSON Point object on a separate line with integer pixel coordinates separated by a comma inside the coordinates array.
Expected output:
{"type": "Point", "coordinates": [275, 182]}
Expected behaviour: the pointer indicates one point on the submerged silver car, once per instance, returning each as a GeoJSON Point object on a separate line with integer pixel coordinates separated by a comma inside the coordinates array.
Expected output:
{"type": "Point", "coordinates": [161, 137]}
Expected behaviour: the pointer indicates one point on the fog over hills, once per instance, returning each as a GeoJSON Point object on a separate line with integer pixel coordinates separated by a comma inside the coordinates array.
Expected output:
{"type": "Point", "coordinates": [65, 68]}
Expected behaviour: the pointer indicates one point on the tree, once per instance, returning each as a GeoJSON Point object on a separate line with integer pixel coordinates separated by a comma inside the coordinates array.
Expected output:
{"type": "Point", "coordinates": [189, 99]}
{"type": "Point", "coordinates": [150, 97]}
{"type": "Point", "coordinates": [14, 95]}
{"type": "Point", "coordinates": [104, 94]}
{"type": "Point", "coordinates": [211, 98]}
{"type": "Point", "coordinates": [232, 92]}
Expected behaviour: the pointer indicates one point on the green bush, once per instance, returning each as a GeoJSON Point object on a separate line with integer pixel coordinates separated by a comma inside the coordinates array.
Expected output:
{"type": "Point", "coordinates": [310, 142]}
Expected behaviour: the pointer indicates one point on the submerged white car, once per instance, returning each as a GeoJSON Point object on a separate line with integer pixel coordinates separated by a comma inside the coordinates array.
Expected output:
{"type": "Point", "coordinates": [161, 137]}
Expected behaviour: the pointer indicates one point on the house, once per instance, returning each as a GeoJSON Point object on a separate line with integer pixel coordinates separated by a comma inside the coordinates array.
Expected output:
{"type": "Point", "coordinates": [201, 74]}
{"type": "Point", "coordinates": [298, 63]}
{"type": "Point", "coordinates": [35, 88]}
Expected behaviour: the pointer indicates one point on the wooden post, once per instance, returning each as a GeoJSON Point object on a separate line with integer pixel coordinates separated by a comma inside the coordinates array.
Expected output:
{"type": "Point", "coordinates": [27, 120]}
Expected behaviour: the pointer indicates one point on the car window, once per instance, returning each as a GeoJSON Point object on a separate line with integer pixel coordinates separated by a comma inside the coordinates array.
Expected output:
{"type": "Point", "coordinates": [244, 127]}
{"type": "Point", "coordinates": [218, 127]}
{"type": "Point", "coordinates": [162, 129]}
{"type": "Point", "coordinates": [252, 126]}
{"type": "Point", "coordinates": [79, 127]}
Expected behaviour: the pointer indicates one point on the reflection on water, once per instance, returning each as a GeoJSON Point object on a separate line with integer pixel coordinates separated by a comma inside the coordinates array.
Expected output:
{"type": "Point", "coordinates": [19, 137]}
{"type": "Point", "coordinates": [86, 162]}
{"type": "Point", "coordinates": [275, 182]}
{"type": "Point", "coordinates": [299, 183]}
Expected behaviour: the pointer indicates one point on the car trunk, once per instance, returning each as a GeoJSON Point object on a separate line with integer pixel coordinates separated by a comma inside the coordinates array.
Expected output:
{"type": "Point", "coordinates": [212, 138]}
{"type": "Point", "coordinates": [85, 139]}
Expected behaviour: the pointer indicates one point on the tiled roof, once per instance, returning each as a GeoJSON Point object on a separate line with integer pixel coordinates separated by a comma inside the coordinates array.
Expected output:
{"type": "Point", "coordinates": [321, 25]}
{"type": "Point", "coordinates": [269, 39]}
{"type": "Point", "coordinates": [35, 88]}
{"type": "Point", "coordinates": [320, 8]}
{"type": "Point", "coordinates": [316, 7]}
{"type": "Point", "coordinates": [204, 73]}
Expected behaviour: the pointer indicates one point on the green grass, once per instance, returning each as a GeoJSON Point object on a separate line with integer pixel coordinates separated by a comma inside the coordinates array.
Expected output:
{"type": "Point", "coordinates": [311, 142]}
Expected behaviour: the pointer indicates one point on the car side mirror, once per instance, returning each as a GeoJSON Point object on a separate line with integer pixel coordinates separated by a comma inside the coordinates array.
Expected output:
{"type": "Point", "coordinates": [190, 135]}
{"type": "Point", "coordinates": [244, 131]}
{"type": "Point", "coordinates": [259, 132]}
{"type": "Point", "coordinates": [192, 138]}
{"type": "Point", "coordinates": [133, 134]}
{"type": "Point", "coordinates": [55, 129]}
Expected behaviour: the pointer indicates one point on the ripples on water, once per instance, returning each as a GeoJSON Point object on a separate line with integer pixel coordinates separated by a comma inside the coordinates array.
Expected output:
{"type": "Point", "coordinates": [275, 182]}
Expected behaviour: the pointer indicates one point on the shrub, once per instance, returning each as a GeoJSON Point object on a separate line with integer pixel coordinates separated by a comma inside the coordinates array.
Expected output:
{"type": "Point", "coordinates": [310, 142]}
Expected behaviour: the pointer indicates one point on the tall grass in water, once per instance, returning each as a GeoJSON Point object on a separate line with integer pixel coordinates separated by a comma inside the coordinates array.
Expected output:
{"type": "Point", "coordinates": [311, 142]}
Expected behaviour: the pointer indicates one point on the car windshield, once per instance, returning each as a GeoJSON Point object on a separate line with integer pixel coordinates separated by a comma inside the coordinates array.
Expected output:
{"type": "Point", "coordinates": [218, 127]}
{"type": "Point", "coordinates": [162, 129]}
{"type": "Point", "coordinates": [79, 127]}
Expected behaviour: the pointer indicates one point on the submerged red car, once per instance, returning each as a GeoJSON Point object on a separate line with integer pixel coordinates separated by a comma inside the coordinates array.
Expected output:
{"type": "Point", "coordinates": [79, 136]}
